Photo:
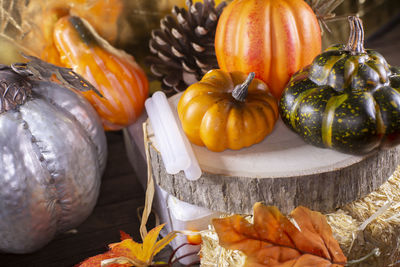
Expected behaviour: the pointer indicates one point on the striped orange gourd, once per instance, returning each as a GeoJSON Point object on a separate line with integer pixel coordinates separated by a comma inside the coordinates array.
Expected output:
{"type": "Point", "coordinates": [114, 73]}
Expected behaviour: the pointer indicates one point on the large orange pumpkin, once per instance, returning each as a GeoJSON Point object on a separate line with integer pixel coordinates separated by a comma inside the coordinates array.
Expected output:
{"type": "Point", "coordinates": [273, 38]}
{"type": "Point", "coordinates": [115, 74]}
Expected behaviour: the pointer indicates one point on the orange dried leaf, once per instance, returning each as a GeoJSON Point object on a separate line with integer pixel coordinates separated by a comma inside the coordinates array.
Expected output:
{"type": "Point", "coordinates": [124, 235]}
{"type": "Point", "coordinates": [272, 240]}
{"type": "Point", "coordinates": [95, 261]}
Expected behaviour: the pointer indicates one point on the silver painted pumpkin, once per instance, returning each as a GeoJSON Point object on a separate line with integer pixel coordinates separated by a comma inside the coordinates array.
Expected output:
{"type": "Point", "coordinates": [52, 154]}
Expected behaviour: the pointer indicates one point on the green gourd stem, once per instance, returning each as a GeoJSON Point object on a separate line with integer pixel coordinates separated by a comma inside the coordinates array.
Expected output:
{"type": "Point", "coordinates": [82, 29]}
{"type": "Point", "coordinates": [240, 91]}
{"type": "Point", "coordinates": [356, 39]}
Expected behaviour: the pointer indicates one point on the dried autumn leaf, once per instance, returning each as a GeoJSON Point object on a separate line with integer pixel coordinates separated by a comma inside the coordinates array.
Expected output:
{"type": "Point", "coordinates": [272, 240]}
{"type": "Point", "coordinates": [96, 261]}
{"type": "Point", "coordinates": [124, 235]}
{"type": "Point", "coordinates": [130, 252]}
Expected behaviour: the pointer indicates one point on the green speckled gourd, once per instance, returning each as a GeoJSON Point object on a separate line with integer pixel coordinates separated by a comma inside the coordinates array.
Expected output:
{"type": "Point", "coordinates": [348, 99]}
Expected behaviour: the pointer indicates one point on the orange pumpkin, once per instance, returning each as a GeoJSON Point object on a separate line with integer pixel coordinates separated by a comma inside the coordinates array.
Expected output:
{"type": "Point", "coordinates": [114, 73]}
{"type": "Point", "coordinates": [227, 110]}
{"type": "Point", "coordinates": [273, 38]}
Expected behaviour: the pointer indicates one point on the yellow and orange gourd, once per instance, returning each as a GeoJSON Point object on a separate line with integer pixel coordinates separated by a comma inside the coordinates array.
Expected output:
{"type": "Point", "coordinates": [114, 73]}
{"type": "Point", "coordinates": [227, 110]}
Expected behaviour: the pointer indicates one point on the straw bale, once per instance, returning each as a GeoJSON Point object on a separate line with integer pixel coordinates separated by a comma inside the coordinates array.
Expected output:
{"type": "Point", "coordinates": [360, 227]}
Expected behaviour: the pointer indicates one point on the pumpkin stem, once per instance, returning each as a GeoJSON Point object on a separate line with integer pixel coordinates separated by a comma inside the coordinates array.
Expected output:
{"type": "Point", "coordinates": [240, 91]}
{"type": "Point", "coordinates": [356, 39]}
{"type": "Point", "coordinates": [15, 89]}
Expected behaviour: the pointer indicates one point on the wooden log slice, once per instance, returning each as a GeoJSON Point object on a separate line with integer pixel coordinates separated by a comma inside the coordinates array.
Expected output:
{"type": "Point", "coordinates": [282, 170]}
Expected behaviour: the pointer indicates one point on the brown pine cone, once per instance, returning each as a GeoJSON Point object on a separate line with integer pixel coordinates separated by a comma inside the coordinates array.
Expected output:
{"type": "Point", "coordinates": [183, 49]}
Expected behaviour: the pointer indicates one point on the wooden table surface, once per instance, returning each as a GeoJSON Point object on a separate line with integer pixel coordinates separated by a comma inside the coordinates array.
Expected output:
{"type": "Point", "coordinates": [121, 195]}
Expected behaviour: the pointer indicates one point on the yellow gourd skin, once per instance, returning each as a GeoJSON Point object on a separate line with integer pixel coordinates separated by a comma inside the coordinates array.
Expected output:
{"type": "Point", "coordinates": [212, 117]}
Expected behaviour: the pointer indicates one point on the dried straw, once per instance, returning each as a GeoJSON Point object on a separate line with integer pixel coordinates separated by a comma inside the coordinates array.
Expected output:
{"type": "Point", "coordinates": [359, 227]}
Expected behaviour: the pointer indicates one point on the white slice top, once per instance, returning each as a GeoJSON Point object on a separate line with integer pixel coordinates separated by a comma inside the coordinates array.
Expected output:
{"type": "Point", "coordinates": [280, 154]}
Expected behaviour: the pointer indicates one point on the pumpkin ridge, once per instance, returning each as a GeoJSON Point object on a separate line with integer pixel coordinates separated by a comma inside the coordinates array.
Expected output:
{"type": "Point", "coordinates": [242, 25]}
{"type": "Point", "coordinates": [394, 78]}
{"type": "Point", "coordinates": [18, 233]}
{"type": "Point", "coordinates": [266, 111]}
{"type": "Point", "coordinates": [296, 105]}
{"type": "Point", "coordinates": [226, 42]}
{"type": "Point", "coordinates": [300, 40]}
{"type": "Point", "coordinates": [52, 196]}
{"type": "Point", "coordinates": [376, 56]}
{"type": "Point", "coordinates": [273, 44]}
{"type": "Point", "coordinates": [293, 42]}
{"type": "Point", "coordinates": [265, 104]}
{"type": "Point", "coordinates": [183, 109]}
{"type": "Point", "coordinates": [349, 69]}
{"type": "Point", "coordinates": [123, 90]}
{"type": "Point", "coordinates": [109, 96]}
{"type": "Point", "coordinates": [136, 77]}
{"type": "Point", "coordinates": [386, 113]}
{"type": "Point", "coordinates": [260, 125]}
{"type": "Point", "coordinates": [268, 46]}
{"type": "Point", "coordinates": [77, 123]}
{"type": "Point", "coordinates": [111, 101]}
{"type": "Point", "coordinates": [321, 67]}
{"type": "Point", "coordinates": [234, 121]}
{"type": "Point", "coordinates": [380, 70]}
{"type": "Point", "coordinates": [206, 132]}
{"type": "Point", "coordinates": [220, 96]}
{"type": "Point", "coordinates": [336, 77]}
{"type": "Point", "coordinates": [380, 124]}
{"type": "Point", "coordinates": [328, 118]}
{"type": "Point", "coordinates": [254, 118]}
{"type": "Point", "coordinates": [252, 18]}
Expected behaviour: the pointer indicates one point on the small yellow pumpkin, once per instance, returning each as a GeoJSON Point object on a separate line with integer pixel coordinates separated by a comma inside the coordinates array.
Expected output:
{"type": "Point", "coordinates": [227, 110]}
